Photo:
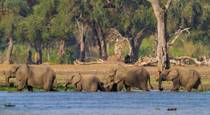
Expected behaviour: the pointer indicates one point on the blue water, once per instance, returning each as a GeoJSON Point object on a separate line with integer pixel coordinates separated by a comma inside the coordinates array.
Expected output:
{"type": "Point", "coordinates": [122, 103]}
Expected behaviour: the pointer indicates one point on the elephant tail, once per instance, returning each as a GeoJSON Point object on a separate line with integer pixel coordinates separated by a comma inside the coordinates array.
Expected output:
{"type": "Point", "coordinates": [150, 83]}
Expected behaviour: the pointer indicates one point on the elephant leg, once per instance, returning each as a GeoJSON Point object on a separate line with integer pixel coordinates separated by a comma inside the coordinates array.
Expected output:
{"type": "Point", "coordinates": [120, 86]}
{"type": "Point", "coordinates": [128, 88]}
{"type": "Point", "coordinates": [198, 82]}
{"type": "Point", "coordinates": [94, 88]}
{"type": "Point", "coordinates": [143, 86]}
{"type": "Point", "coordinates": [189, 87]}
{"type": "Point", "coordinates": [52, 84]}
{"type": "Point", "coordinates": [47, 86]}
{"type": "Point", "coordinates": [78, 87]}
{"type": "Point", "coordinates": [176, 85]}
{"type": "Point", "coordinates": [30, 88]}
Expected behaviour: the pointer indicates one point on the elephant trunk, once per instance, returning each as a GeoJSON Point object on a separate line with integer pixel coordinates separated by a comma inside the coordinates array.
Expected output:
{"type": "Point", "coordinates": [7, 80]}
{"type": "Point", "coordinates": [66, 86]}
{"type": "Point", "coordinates": [160, 83]}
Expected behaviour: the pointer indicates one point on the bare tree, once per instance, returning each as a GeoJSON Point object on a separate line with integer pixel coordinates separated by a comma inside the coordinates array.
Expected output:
{"type": "Point", "coordinates": [9, 50]}
{"type": "Point", "coordinates": [161, 17]}
{"type": "Point", "coordinates": [61, 51]}
{"type": "Point", "coordinates": [81, 37]}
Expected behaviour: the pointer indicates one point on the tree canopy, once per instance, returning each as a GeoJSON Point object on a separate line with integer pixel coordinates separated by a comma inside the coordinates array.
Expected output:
{"type": "Point", "coordinates": [55, 30]}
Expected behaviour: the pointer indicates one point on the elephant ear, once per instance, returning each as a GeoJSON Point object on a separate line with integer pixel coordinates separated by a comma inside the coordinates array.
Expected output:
{"type": "Point", "coordinates": [76, 78]}
{"type": "Point", "coordinates": [14, 68]}
{"type": "Point", "coordinates": [112, 74]}
{"type": "Point", "coordinates": [172, 74]}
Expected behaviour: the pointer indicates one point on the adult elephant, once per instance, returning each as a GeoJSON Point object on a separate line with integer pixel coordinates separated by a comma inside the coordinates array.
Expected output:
{"type": "Point", "coordinates": [129, 76]}
{"type": "Point", "coordinates": [10, 74]}
{"type": "Point", "coordinates": [188, 78]}
{"type": "Point", "coordinates": [41, 76]}
{"type": "Point", "coordinates": [87, 83]}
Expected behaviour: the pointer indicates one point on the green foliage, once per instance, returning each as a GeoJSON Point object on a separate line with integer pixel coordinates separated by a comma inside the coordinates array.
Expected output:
{"type": "Point", "coordinates": [19, 54]}
{"type": "Point", "coordinates": [148, 47]}
{"type": "Point", "coordinates": [189, 48]}
{"type": "Point", "coordinates": [68, 57]}
{"type": "Point", "coordinates": [50, 21]}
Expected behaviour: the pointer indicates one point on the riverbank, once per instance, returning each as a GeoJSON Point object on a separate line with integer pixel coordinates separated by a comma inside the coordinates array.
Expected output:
{"type": "Point", "coordinates": [64, 71]}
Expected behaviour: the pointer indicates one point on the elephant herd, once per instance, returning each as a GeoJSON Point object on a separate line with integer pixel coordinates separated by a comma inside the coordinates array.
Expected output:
{"type": "Point", "coordinates": [119, 78]}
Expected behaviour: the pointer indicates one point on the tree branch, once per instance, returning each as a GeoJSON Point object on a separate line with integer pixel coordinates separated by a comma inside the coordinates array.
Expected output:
{"type": "Point", "coordinates": [168, 4]}
{"type": "Point", "coordinates": [177, 35]}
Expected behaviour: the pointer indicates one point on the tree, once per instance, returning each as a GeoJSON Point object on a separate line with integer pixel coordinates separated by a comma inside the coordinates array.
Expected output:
{"type": "Point", "coordinates": [11, 12]}
{"type": "Point", "coordinates": [161, 17]}
{"type": "Point", "coordinates": [62, 24]}
{"type": "Point", "coordinates": [134, 20]}
{"type": "Point", "coordinates": [35, 28]}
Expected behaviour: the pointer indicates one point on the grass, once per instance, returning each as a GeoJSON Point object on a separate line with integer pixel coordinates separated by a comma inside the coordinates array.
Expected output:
{"type": "Point", "coordinates": [60, 88]}
{"type": "Point", "coordinates": [8, 89]}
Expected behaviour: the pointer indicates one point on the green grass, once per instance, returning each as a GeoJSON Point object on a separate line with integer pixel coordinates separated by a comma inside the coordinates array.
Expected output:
{"type": "Point", "coordinates": [60, 87]}
{"type": "Point", "coordinates": [8, 89]}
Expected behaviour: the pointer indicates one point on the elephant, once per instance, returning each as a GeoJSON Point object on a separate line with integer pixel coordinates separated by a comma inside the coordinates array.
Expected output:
{"type": "Point", "coordinates": [86, 84]}
{"type": "Point", "coordinates": [108, 84]}
{"type": "Point", "coordinates": [35, 76]}
{"type": "Point", "coordinates": [129, 76]}
{"type": "Point", "coordinates": [187, 78]}
{"type": "Point", "coordinates": [10, 74]}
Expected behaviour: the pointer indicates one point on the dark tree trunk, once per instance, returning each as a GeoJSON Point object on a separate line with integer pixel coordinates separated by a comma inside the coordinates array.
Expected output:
{"type": "Point", "coordinates": [136, 43]}
{"type": "Point", "coordinates": [134, 53]}
{"type": "Point", "coordinates": [29, 57]}
{"type": "Point", "coordinates": [9, 50]}
{"type": "Point", "coordinates": [38, 49]}
{"type": "Point", "coordinates": [82, 48]}
{"type": "Point", "coordinates": [101, 41]}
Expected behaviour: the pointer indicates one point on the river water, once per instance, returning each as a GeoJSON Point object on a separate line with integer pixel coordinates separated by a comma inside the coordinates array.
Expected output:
{"type": "Point", "coordinates": [122, 103]}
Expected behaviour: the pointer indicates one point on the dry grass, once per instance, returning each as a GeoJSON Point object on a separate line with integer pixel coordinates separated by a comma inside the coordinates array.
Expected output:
{"type": "Point", "coordinates": [63, 71]}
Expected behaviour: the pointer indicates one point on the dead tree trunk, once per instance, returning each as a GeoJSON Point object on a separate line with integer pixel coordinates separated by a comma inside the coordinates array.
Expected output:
{"type": "Point", "coordinates": [101, 41]}
{"type": "Point", "coordinates": [82, 49]}
{"type": "Point", "coordinates": [81, 36]}
{"type": "Point", "coordinates": [61, 48]}
{"type": "Point", "coordinates": [9, 50]}
{"type": "Point", "coordinates": [161, 16]}
{"type": "Point", "coordinates": [48, 52]}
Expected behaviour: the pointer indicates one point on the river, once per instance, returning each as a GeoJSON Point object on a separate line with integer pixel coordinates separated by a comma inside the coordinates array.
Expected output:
{"type": "Point", "coordinates": [102, 103]}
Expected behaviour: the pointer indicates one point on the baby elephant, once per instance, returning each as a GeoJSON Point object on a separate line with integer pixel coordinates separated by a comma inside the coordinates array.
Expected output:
{"type": "Point", "coordinates": [189, 79]}
{"type": "Point", "coordinates": [87, 83]}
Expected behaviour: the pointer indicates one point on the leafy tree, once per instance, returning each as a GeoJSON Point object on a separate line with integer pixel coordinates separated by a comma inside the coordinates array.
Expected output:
{"type": "Point", "coordinates": [35, 27]}
{"type": "Point", "coordinates": [10, 15]}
